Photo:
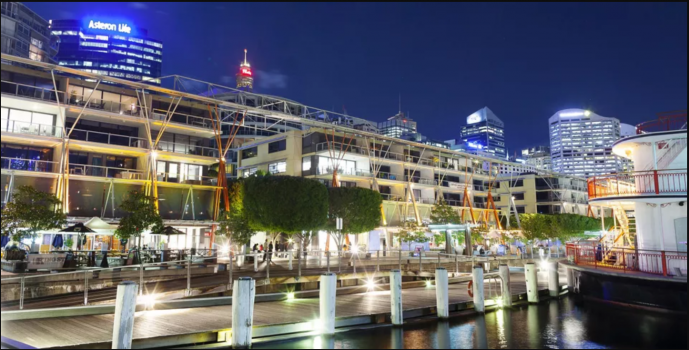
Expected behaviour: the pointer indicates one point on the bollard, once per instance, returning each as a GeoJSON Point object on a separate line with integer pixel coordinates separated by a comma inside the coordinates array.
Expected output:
{"type": "Point", "coordinates": [243, 295]}
{"type": "Point", "coordinates": [531, 276]}
{"type": "Point", "coordinates": [327, 295]}
{"type": "Point", "coordinates": [125, 307]}
{"type": "Point", "coordinates": [506, 290]}
{"type": "Point", "coordinates": [268, 272]}
{"type": "Point", "coordinates": [289, 264]}
{"type": "Point", "coordinates": [441, 293]}
{"type": "Point", "coordinates": [553, 279]}
{"type": "Point", "coordinates": [396, 297]}
{"type": "Point", "coordinates": [256, 262]}
{"type": "Point", "coordinates": [479, 299]}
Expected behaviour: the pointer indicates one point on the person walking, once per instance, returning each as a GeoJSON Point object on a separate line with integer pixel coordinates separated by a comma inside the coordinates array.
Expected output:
{"type": "Point", "coordinates": [270, 251]}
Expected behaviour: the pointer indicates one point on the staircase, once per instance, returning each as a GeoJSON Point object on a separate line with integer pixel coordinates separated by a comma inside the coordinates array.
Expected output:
{"type": "Point", "coordinates": [668, 152]}
{"type": "Point", "coordinates": [627, 230]}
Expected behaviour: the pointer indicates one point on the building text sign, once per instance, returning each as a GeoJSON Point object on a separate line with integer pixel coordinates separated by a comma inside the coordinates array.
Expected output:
{"type": "Point", "coordinates": [121, 27]}
{"type": "Point", "coordinates": [46, 261]}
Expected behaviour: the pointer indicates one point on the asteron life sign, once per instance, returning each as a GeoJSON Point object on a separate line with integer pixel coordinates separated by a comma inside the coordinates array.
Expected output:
{"type": "Point", "coordinates": [122, 28]}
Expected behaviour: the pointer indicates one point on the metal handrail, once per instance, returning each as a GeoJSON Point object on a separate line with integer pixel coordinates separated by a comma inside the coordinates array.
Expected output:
{"type": "Point", "coordinates": [19, 127]}
{"type": "Point", "coordinates": [637, 183]}
{"type": "Point", "coordinates": [110, 139]}
{"type": "Point", "coordinates": [192, 120]}
{"type": "Point", "coordinates": [181, 148]}
{"type": "Point", "coordinates": [186, 179]}
{"type": "Point", "coordinates": [29, 165]}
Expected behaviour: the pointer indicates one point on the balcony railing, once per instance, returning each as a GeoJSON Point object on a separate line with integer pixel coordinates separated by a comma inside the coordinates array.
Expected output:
{"type": "Point", "coordinates": [629, 260]}
{"type": "Point", "coordinates": [110, 139]}
{"type": "Point", "coordinates": [670, 122]}
{"type": "Point", "coordinates": [41, 166]}
{"type": "Point", "coordinates": [347, 172]}
{"type": "Point", "coordinates": [109, 172]}
{"type": "Point", "coordinates": [653, 182]}
{"type": "Point", "coordinates": [130, 109]}
{"type": "Point", "coordinates": [19, 127]}
{"type": "Point", "coordinates": [189, 179]}
{"type": "Point", "coordinates": [182, 148]}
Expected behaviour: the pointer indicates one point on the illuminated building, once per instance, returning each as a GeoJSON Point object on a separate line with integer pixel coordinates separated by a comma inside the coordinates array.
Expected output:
{"type": "Point", "coordinates": [581, 143]}
{"type": "Point", "coordinates": [539, 157]}
{"type": "Point", "coordinates": [25, 34]}
{"type": "Point", "coordinates": [397, 126]}
{"type": "Point", "coordinates": [245, 77]}
{"type": "Point", "coordinates": [113, 48]}
{"type": "Point", "coordinates": [484, 134]}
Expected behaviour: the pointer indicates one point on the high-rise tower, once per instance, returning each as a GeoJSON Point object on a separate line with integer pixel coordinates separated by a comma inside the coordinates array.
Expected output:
{"type": "Point", "coordinates": [245, 77]}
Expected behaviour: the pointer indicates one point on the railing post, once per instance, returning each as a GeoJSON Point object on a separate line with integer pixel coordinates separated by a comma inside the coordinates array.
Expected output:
{"type": "Point", "coordinates": [377, 260]}
{"type": "Point", "coordinates": [456, 265]}
{"type": "Point", "coordinates": [189, 275]}
{"type": "Point", "coordinates": [399, 258]}
{"type": "Point", "coordinates": [86, 288]}
{"type": "Point", "coordinates": [230, 268]}
{"type": "Point", "coordinates": [655, 181]}
{"type": "Point", "coordinates": [255, 262]}
{"type": "Point", "coordinates": [664, 263]}
{"type": "Point", "coordinates": [396, 298]}
{"type": "Point", "coordinates": [141, 274]}
{"type": "Point", "coordinates": [327, 260]}
{"type": "Point", "coordinates": [289, 263]}
{"type": "Point", "coordinates": [478, 290]}
{"type": "Point", "coordinates": [21, 294]}
{"type": "Point", "coordinates": [420, 263]}
{"type": "Point", "coordinates": [441, 293]}
{"type": "Point", "coordinates": [299, 264]}
{"type": "Point", "coordinates": [327, 295]}
{"type": "Point", "coordinates": [354, 263]}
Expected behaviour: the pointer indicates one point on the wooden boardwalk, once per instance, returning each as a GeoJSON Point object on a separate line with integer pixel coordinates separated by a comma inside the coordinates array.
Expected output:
{"type": "Point", "coordinates": [96, 331]}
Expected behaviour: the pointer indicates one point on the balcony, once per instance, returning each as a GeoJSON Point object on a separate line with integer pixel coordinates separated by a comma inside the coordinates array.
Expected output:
{"type": "Point", "coordinates": [132, 109]}
{"type": "Point", "coordinates": [344, 172]}
{"type": "Point", "coordinates": [188, 179]}
{"type": "Point", "coordinates": [670, 121]}
{"type": "Point", "coordinates": [39, 166]}
{"type": "Point", "coordinates": [19, 127]}
{"type": "Point", "coordinates": [192, 150]}
{"type": "Point", "coordinates": [108, 172]}
{"type": "Point", "coordinates": [109, 139]}
{"type": "Point", "coordinates": [642, 183]}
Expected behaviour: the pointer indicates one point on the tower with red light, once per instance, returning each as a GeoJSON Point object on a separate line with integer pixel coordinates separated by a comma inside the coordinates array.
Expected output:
{"type": "Point", "coordinates": [245, 77]}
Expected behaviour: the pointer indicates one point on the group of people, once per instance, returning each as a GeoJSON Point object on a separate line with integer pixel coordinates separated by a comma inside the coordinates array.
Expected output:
{"type": "Point", "coordinates": [267, 249]}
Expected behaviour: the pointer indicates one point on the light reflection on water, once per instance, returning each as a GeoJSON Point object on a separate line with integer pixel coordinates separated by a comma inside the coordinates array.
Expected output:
{"type": "Point", "coordinates": [557, 324]}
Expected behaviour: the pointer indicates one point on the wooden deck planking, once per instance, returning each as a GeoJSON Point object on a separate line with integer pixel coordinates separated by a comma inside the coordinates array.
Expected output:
{"type": "Point", "coordinates": [66, 332]}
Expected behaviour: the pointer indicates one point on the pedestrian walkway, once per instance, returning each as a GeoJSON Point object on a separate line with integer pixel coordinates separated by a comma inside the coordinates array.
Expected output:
{"type": "Point", "coordinates": [208, 323]}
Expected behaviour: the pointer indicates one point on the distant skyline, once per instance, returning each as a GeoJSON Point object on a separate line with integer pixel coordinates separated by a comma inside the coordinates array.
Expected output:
{"type": "Point", "coordinates": [524, 61]}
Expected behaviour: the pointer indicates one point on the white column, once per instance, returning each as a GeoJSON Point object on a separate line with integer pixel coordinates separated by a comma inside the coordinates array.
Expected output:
{"type": "Point", "coordinates": [531, 275]}
{"type": "Point", "coordinates": [289, 264]}
{"type": "Point", "coordinates": [506, 289]}
{"type": "Point", "coordinates": [327, 296]}
{"type": "Point", "coordinates": [256, 262]}
{"type": "Point", "coordinates": [477, 278]}
{"type": "Point", "coordinates": [441, 293]}
{"type": "Point", "coordinates": [125, 307]}
{"type": "Point", "coordinates": [243, 295]}
{"type": "Point", "coordinates": [553, 279]}
{"type": "Point", "coordinates": [396, 297]}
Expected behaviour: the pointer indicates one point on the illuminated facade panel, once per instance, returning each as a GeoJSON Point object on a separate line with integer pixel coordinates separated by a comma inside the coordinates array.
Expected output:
{"type": "Point", "coordinates": [484, 133]}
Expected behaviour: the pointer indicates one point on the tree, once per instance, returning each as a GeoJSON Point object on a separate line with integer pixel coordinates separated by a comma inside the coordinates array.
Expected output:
{"type": "Point", "coordinates": [443, 214]}
{"type": "Point", "coordinates": [285, 204]}
{"type": "Point", "coordinates": [31, 211]}
{"type": "Point", "coordinates": [140, 215]}
{"type": "Point", "coordinates": [558, 226]}
{"type": "Point", "coordinates": [359, 209]}
{"type": "Point", "coordinates": [412, 232]}
{"type": "Point", "coordinates": [234, 225]}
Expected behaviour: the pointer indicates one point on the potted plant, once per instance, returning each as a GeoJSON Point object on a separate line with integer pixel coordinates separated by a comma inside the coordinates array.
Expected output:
{"type": "Point", "coordinates": [69, 243]}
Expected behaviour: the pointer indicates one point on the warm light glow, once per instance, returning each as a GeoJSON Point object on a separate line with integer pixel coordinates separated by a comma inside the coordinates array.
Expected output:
{"type": "Point", "coordinates": [225, 249]}
{"type": "Point", "coordinates": [544, 265]}
{"type": "Point", "coordinates": [355, 248]}
{"type": "Point", "coordinates": [370, 284]}
{"type": "Point", "coordinates": [148, 300]}
{"type": "Point", "coordinates": [290, 241]}
{"type": "Point", "coordinates": [499, 302]}
{"type": "Point", "coordinates": [429, 284]}
{"type": "Point", "coordinates": [154, 154]}
{"type": "Point", "coordinates": [587, 113]}
{"type": "Point", "coordinates": [290, 296]}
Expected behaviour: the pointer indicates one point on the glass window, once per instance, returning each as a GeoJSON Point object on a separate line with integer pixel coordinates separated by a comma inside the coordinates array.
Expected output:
{"type": "Point", "coordinates": [249, 153]}
{"type": "Point", "coordinates": [21, 116]}
{"type": "Point", "coordinates": [173, 170]}
{"type": "Point", "coordinates": [44, 119]}
{"type": "Point", "coordinates": [277, 146]}
{"type": "Point", "coordinates": [306, 164]}
{"type": "Point", "coordinates": [277, 168]}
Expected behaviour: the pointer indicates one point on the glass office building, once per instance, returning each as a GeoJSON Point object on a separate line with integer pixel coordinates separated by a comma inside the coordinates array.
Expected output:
{"type": "Point", "coordinates": [111, 48]}
{"type": "Point", "coordinates": [397, 125]}
{"type": "Point", "coordinates": [484, 134]}
{"type": "Point", "coordinates": [26, 34]}
{"type": "Point", "coordinates": [581, 143]}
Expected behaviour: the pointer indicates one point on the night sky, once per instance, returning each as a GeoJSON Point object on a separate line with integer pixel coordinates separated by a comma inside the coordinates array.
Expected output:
{"type": "Point", "coordinates": [523, 61]}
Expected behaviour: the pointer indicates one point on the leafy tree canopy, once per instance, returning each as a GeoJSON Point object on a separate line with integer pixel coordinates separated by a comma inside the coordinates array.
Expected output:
{"type": "Point", "coordinates": [31, 211]}
{"type": "Point", "coordinates": [285, 203]}
{"type": "Point", "coordinates": [358, 207]}
{"type": "Point", "coordinates": [443, 214]}
{"type": "Point", "coordinates": [235, 224]}
{"type": "Point", "coordinates": [140, 215]}
{"type": "Point", "coordinates": [558, 226]}
{"type": "Point", "coordinates": [412, 232]}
